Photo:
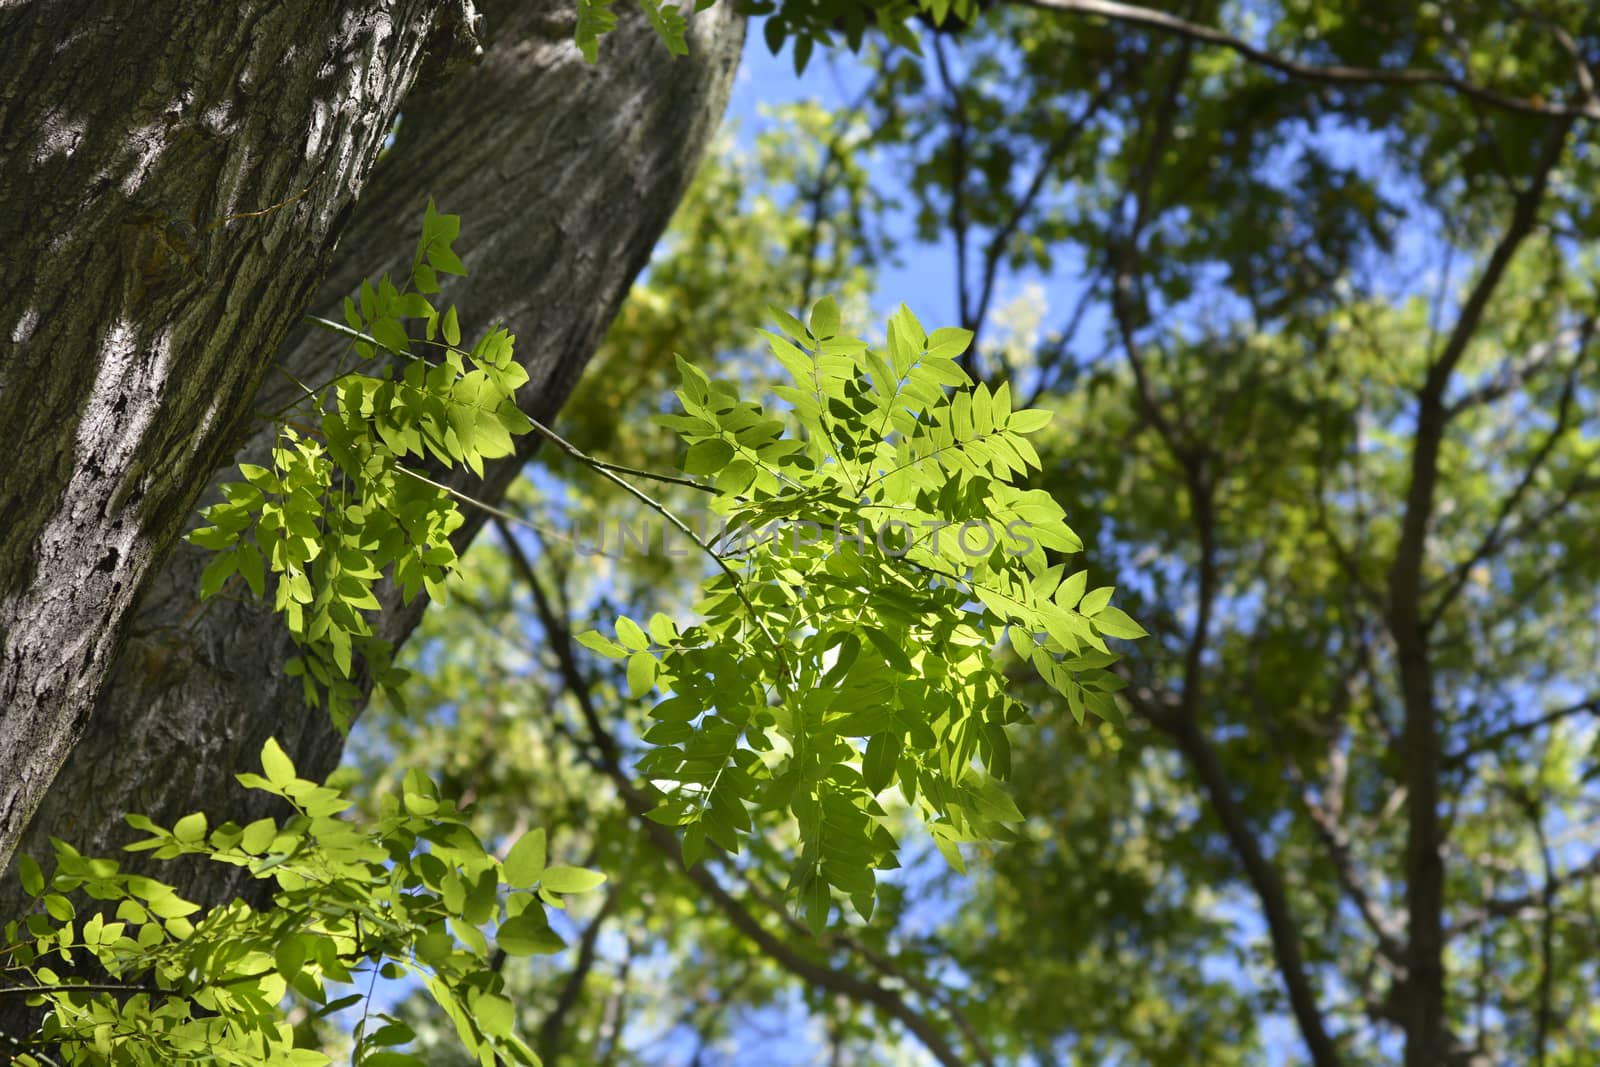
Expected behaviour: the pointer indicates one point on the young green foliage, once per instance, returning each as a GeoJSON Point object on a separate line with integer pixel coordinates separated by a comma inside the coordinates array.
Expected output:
{"type": "Point", "coordinates": [338, 508]}
{"type": "Point", "coordinates": [807, 23]}
{"type": "Point", "coordinates": [414, 894]}
{"type": "Point", "coordinates": [883, 556]}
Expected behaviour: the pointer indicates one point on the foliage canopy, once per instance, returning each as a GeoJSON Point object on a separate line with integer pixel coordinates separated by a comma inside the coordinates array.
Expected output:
{"type": "Point", "coordinates": [1293, 307]}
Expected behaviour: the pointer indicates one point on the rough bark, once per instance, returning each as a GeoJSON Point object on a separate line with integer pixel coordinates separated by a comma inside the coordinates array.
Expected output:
{"type": "Point", "coordinates": [565, 175]}
{"type": "Point", "coordinates": [175, 179]}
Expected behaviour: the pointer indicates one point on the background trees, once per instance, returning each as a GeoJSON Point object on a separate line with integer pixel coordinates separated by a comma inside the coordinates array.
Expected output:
{"type": "Point", "coordinates": [1313, 297]}
{"type": "Point", "coordinates": [1321, 348]}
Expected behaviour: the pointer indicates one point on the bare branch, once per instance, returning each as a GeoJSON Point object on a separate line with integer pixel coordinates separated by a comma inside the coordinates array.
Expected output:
{"type": "Point", "coordinates": [1264, 878]}
{"type": "Point", "coordinates": [1182, 724]}
{"type": "Point", "coordinates": [1513, 375]}
{"type": "Point", "coordinates": [818, 194]}
{"type": "Point", "coordinates": [996, 247]}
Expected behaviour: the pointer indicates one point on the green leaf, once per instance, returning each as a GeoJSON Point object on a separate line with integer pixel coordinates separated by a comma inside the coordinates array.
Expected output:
{"type": "Point", "coordinates": [1028, 420]}
{"type": "Point", "coordinates": [32, 876]}
{"type": "Point", "coordinates": [695, 382]}
{"type": "Point", "coordinates": [669, 24]}
{"type": "Point", "coordinates": [774, 32]}
{"type": "Point", "coordinates": [528, 935]}
{"type": "Point", "coordinates": [1069, 592]}
{"type": "Point", "coordinates": [191, 828]}
{"type": "Point", "coordinates": [427, 281]}
{"type": "Point", "coordinates": [891, 651]}
{"type": "Point", "coordinates": [494, 1014]}
{"type": "Point", "coordinates": [878, 764]}
{"type": "Point", "coordinates": [381, 1059]}
{"type": "Point", "coordinates": [948, 848]}
{"type": "Point", "coordinates": [707, 457]}
{"type": "Point", "coordinates": [1113, 622]}
{"type": "Point", "coordinates": [802, 53]}
{"type": "Point", "coordinates": [598, 642]}
{"type": "Point", "coordinates": [218, 571]}
{"type": "Point", "coordinates": [251, 568]}
{"type": "Point", "coordinates": [787, 322]}
{"type": "Point", "coordinates": [948, 342]}
{"type": "Point", "coordinates": [278, 767]}
{"type": "Point", "coordinates": [524, 864]}
{"type": "Point", "coordinates": [289, 956]}
{"type": "Point", "coordinates": [632, 635]}
{"type": "Point", "coordinates": [694, 845]}
{"type": "Point", "coordinates": [258, 836]}
{"type": "Point", "coordinates": [1095, 600]}
{"type": "Point", "coordinates": [595, 18]}
{"type": "Point", "coordinates": [818, 900]}
{"type": "Point", "coordinates": [825, 318]}
{"type": "Point", "coordinates": [641, 673]}
{"type": "Point", "coordinates": [571, 880]}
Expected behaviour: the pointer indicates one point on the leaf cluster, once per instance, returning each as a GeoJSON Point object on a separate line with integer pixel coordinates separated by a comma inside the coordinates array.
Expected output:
{"type": "Point", "coordinates": [826, 669]}
{"type": "Point", "coordinates": [338, 509]}
{"type": "Point", "coordinates": [141, 977]}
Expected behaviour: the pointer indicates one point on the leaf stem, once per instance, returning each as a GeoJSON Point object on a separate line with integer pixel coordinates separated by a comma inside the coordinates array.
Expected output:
{"type": "Point", "coordinates": [607, 471]}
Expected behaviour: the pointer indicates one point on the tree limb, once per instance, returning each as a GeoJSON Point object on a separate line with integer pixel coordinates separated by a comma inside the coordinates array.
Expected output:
{"type": "Point", "coordinates": [1420, 747]}
{"type": "Point", "coordinates": [1584, 106]}
{"type": "Point", "coordinates": [551, 1028]}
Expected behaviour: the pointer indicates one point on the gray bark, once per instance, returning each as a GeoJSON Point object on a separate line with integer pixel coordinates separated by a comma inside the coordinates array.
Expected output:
{"type": "Point", "coordinates": [147, 278]}
{"type": "Point", "coordinates": [565, 175]}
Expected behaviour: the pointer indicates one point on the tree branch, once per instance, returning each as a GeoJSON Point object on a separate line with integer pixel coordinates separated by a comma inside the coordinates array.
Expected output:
{"type": "Point", "coordinates": [1420, 741]}
{"type": "Point", "coordinates": [996, 246]}
{"type": "Point", "coordinates": [1181, 722]}
{"type": "Point", "coordinates": [1282, 929]}
{"type": "Point", "coordinates": [1541, 1037]}
{"type": "Point", "coordinates": [1495, 539]}
{"type": "Point", "coordinates": [550, 1030]}
{"type": "Point", "coordinates": [824, 185]}
{"type": "Point", "coordinates": [1584, 107]}
{"type": "Point", "coordinates": [958, 195]}
{"type": "Point", "coordinates": [1517, 729]}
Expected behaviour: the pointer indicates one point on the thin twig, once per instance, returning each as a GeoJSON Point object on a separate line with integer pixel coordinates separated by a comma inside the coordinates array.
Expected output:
{"type": "Point", "coordinates": [666, 513]}
{"type": "Point", "coordinates": [540, 428]}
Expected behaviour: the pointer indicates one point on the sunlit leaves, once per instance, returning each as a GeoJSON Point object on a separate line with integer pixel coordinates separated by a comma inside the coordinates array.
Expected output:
{"type": "Point", "coordinates": [808, 23]}
{"type": "Point", "coordinates": [528, 935]}
{"type": "Point", "coordinates": [669, 22]}
{"type": "Point", "coordinates": [571, 880]}
{"type": "Point", "coordinates": [414, 893]}
{"type": "Point", "coordinates": [339, 510]}
{"type": "Point", "coordinates": [885, 554]}
{"type": "Point", "coordinates": [595, 18]}
{"type": "Point", "coordinates": [524, 864]}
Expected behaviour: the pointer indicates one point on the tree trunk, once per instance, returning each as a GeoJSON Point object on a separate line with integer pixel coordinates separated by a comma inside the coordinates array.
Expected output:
{"type": "Point", "coordinates": [175, 180]}
{"type": "Point", "coordinates": [565, 175]}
